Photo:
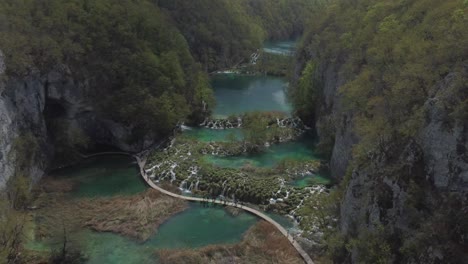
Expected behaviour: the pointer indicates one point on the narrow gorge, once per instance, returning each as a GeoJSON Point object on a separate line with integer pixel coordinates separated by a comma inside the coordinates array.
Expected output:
{"type": "Point", "coordinates": [317, 131]}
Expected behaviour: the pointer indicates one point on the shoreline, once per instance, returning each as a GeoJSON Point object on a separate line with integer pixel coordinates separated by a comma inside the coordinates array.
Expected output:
{"type": "Point", "coordinates": [141, 164]}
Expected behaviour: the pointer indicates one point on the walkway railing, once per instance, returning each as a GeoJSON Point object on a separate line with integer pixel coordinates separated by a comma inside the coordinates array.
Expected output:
{"type": "Point", "coordinates": [304, 255]}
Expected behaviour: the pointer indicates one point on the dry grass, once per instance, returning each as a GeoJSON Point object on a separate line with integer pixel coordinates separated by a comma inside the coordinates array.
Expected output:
{"type": "Point", "coordinates": [136, 216]}
{"type": "Point", "coordinates": [261, 244]}
{"type": "Point", "coordinates": [53, 185]}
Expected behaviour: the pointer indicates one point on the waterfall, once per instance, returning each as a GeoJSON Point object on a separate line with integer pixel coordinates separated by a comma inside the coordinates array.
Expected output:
{"type": "Point", "coordinates": [239, 122]}
{"type": "Point", "coordinates": [224, 188]}
{"type": "Point", "coordinates": [185, 128]}
{"type": "Point", "coordinates": [254, 57]}
{"type": "Point", "coordinates": [183, 185]}
{"type": "Point", "coordinates": [221, 123]}
{"type": "Point", "coordinates": [173, 174]}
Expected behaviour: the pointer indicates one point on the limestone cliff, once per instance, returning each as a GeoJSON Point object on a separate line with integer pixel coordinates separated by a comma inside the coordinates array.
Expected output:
{"type": "Point", "coordinates": [378, 193]}
{"type": "Point", "coordinates": [28, 104]}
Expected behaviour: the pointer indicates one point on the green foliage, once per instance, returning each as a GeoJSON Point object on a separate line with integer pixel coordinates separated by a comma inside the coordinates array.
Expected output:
{"type": "Point", "coordinates": [394, 60]}
{"type": "Point", "coordinates": [318, 211]}
{"type": "Point", "coordinates": [219, 32]}
{"type": "Point", "coordinates": [282, 19]}
{"type": "Point", "coordinates": [393, 56]}
{"type": "Point", "coordinates": [24, 153]}
{"type": "Point", "coordinates": [203, 100]}
{"type": "Point", "coordinates": [307, 91]}
{"type": "Point", "coordinates": [327, 137]}
{"type": "Point", "coordinates": [255, 130]}
{"type": "Point", "coordinates": [11, 233]}
{"type": "Point", "coordinates": [130, 53]}
{"type": "Point", "coordinates": [224, 33]}
{"type": "Point", "coordinates": [68, 254]}
{"type": "Point", "coordinates": [271, 64]}
{"type": "Point", "coordinates": [18, 190]}
{"type": "Point", "coordinates": [373, 246]}
{"type": "Point", "coordinates": [441, 229]}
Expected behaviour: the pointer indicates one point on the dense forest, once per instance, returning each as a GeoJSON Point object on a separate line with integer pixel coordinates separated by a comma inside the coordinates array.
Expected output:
{"type": "Point", "coordinates": [393, 63]}
{"type": "Point", "coordinates": [143, 64]}
{"type": "Point", "coordinates": [142, 54]}
{"type": "Point", "coordinates": [223, 33]}
{"type": "Point", "coordinates": [384, 84]}
{"type": "Point", "coordinates": [129, 52]}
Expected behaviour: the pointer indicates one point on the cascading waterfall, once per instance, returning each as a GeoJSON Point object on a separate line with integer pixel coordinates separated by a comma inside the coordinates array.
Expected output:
{"type": "Point", "coordinates": [219, 124]}
{"type": "Point", "coordinates": [185, 128]}
{"type": "Point", "coordinates": [254, 57]}
{"type": "Point", "coordinates": [173, 174]}
{"type": "Point", "coordinates": [193, 172]}
{"type": "Point", "coordinates": [224, 188]}
{"type": "Point", "coordinates": [183, 185]}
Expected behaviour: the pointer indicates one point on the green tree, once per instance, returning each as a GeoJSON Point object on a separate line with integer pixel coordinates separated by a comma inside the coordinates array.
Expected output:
{"type": "Point", "coordinates": [11, 233]}
{"type": "Point", "coordinates": [307, 91]}
{"type": "Point", "coordinates": [255, 130]}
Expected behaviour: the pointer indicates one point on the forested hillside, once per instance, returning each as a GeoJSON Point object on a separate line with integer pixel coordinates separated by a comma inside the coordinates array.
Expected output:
{"type": "Point", "coordinates": [138, 65]}
{"type": "Point", "coordinates": [223, 33]}
{"type": "Point", "coordinates": [139, 53]}
{"type": "Point", "coordinates": [386, 84]}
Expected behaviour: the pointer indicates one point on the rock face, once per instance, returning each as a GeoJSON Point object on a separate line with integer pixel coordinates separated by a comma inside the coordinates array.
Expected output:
{"type": "Point", "coordinates": [28, 103]}
{"type": "Point", "coordinates": [443, 146]}
{"type": "Point", "coordinates": [437, 159]}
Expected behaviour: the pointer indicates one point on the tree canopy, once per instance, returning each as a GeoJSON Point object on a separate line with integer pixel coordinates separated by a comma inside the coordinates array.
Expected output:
{"type": "Point", "coordinates": [137, 63]}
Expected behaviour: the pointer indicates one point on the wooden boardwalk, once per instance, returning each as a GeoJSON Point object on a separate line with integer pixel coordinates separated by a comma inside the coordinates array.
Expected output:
{"type": "Point", "coordinates": [304, 255]}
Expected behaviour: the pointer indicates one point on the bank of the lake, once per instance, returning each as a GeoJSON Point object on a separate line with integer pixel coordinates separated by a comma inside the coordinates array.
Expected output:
{"type": "Point", "coordinates": [104, 178]}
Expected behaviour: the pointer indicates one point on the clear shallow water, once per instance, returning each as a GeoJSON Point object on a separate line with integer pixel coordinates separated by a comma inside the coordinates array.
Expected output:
{"type": "Point", "coordinates": [237, 94]}
{"type": "Point", "coordinates": [302, 149]}
{"type": "Point", "coordinates": [208, 135]}
{"type": "Point", "coordinates": [197, 226]}
{"type": "Point", "coordinates": [200, 226]}
{"type": "Point", "coordinates": [310, 180]}
{"type": "Point", "coordinates": [104, 176]}
{"type": "Point", "coordinates": [286, 47]}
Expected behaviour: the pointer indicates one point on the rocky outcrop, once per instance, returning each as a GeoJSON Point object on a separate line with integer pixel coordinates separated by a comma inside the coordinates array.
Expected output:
{"type": "Point", "coordinates": [21, 106]}
{"type": "Point", "coordinates": [377, 194]}
{"type": "Point", "coordinates": [445, 146]}
{"type": "Point", "coordinates": [414, 180]}
{"type": "Point", "coordinates": [331, 108]}
{"type": "Point", "coordinates": [27, 105]}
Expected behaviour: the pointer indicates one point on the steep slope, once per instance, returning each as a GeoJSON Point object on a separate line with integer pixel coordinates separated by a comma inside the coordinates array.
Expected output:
{"type": "Point", "coordinates": [223, 33]}
{"type": "Point", "coordinates": [80, 73]}
{"type": "Point", "coordinates": [386, 85]}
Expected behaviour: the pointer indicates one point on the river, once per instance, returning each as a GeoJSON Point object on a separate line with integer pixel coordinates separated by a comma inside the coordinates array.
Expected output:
{"type": "Point", "coordinates": [197, 226]}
